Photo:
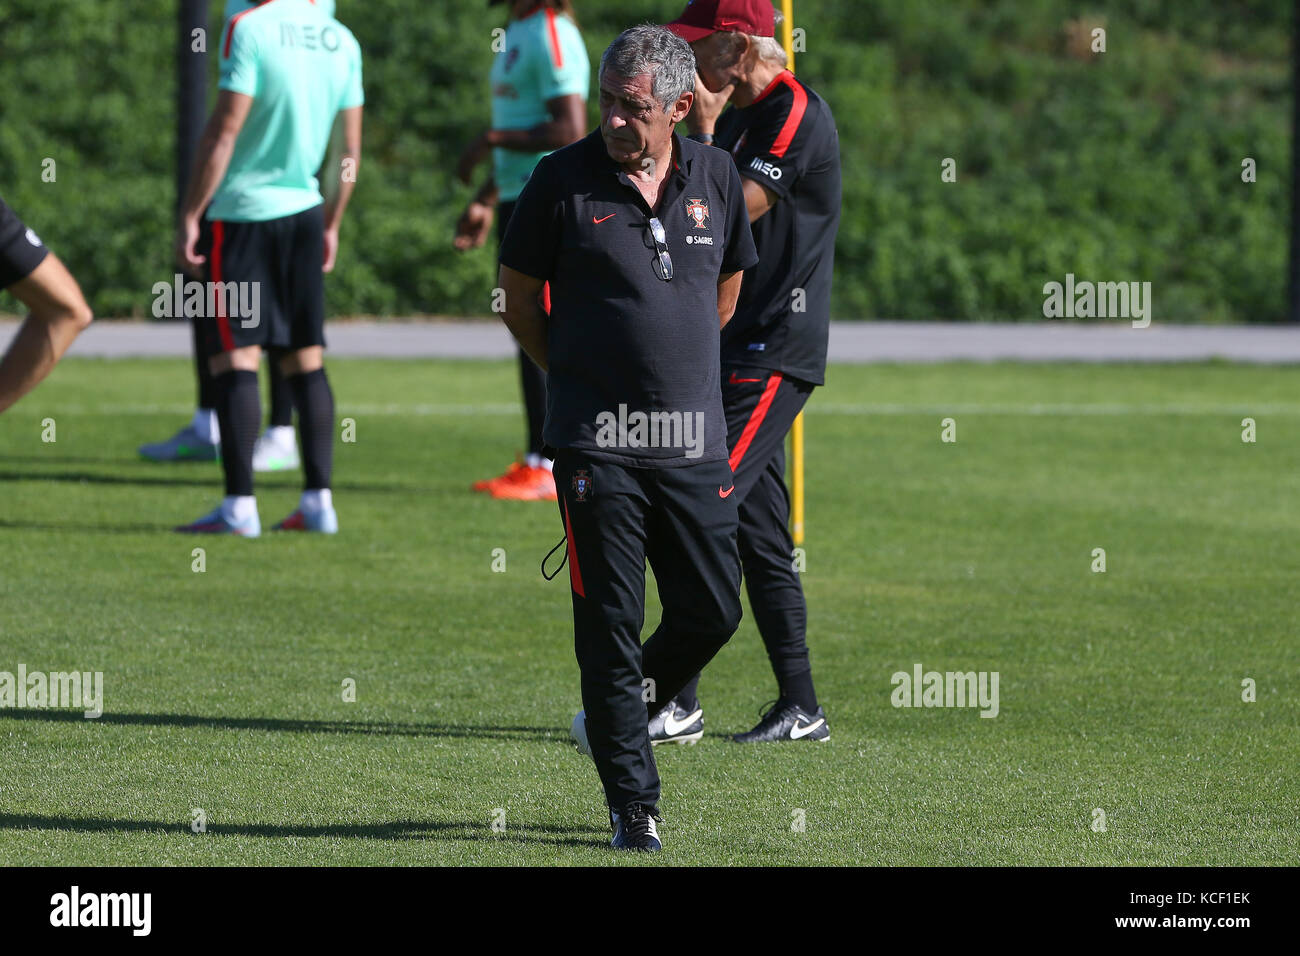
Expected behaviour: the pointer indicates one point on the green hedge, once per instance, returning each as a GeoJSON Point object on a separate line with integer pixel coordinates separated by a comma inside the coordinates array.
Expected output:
{"type": "Point", "coordinates": [1120, 166]}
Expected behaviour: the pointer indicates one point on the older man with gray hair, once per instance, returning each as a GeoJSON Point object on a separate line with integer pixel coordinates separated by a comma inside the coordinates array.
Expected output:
{"type": "Point", "coordinates": [644, 238]}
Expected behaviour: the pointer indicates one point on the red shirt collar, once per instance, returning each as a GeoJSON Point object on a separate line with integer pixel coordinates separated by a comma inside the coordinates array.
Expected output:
{"type": "Point", "coordinates": [778, 79]}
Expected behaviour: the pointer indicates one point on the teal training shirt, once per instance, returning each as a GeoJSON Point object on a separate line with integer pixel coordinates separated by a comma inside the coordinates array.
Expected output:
{"type": "Point", "coordinates": [239, 6]}
{"type": "Point", "coordinates": [301, 67]}
{"type": "Point", "coordinates": [544, 57]}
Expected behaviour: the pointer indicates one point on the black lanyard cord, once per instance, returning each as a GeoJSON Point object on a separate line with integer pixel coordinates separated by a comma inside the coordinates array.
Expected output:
{"type": "Point", "coordinates": [563, 560]}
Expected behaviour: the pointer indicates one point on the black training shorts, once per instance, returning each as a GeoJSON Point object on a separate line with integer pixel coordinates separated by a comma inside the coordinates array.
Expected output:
{"type": "Point", "coordinates": [265, 282]}
{"type": "Point", "coordinates": [21, 250]}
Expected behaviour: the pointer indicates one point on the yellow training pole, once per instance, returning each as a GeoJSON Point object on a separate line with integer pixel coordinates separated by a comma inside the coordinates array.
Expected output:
{"type": "Point", "coordinates": [787, 10]}
{"type": "Point", "coordinates": [796, 433]}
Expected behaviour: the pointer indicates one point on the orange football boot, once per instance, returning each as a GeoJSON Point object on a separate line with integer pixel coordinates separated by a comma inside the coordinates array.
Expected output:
{"type": "Point", "coordinates": [508, 475]}
{"type": "Point", "coordinates": [525, 484]}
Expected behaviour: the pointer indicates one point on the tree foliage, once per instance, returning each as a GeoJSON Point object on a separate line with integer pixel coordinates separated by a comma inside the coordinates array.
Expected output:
{"type": "Point", "coordinates": [1122, 165]}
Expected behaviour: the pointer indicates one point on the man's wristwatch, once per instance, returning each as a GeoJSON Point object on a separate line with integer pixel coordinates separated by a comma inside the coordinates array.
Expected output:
{"type": "Point", "coordinates": [705, 138]}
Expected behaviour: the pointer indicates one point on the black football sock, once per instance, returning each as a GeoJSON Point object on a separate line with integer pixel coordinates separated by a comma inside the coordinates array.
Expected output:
{"type": "Point", "coordinates": [315, 401]}
{"type": "Point", "coordinates": [281, 396]}
{"type": "Point", "coordinates": [239, 415]}
{"type": "Point", "coordinates": [207, 382]}
{"type": "Point", "coordinates": [687, 697]}
{"type": "Point", "coordinates": [798, 689]}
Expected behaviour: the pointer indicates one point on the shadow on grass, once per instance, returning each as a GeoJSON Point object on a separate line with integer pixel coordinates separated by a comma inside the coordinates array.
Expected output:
{"type": "Point", "coordinates": [99, 478]}
{"type": "Point", "coordinates": [60, 460]}
{"type": "Point", "coordinates": [286, 725]}
{"type": "Point", "coordinates": [87, 527]}
{"type": "Point", "coordinates": [212, 479]}
{"type": "Point", "coordinates": [395, 830]}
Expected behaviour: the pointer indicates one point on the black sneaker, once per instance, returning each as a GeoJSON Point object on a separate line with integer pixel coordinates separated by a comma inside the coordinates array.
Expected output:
{"type": "Point", "coordinates": [786, 721]}
{"type": "Point", "coordinates": [634, 829]}
{"type": "Point", "coordinates": [677, 725]}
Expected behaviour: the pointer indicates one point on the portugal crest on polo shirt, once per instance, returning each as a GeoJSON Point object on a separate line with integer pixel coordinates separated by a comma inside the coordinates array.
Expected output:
{"type": "Point", "coordinates": [581, 484]}
{"type": "Point", "coordinates": [697, 210]}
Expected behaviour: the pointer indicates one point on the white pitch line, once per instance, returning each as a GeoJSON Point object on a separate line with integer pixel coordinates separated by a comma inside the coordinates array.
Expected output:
{"type": "Point", "coordinates": [1064, 409]}
{"type": "Point", "coordinates": [432, 410]}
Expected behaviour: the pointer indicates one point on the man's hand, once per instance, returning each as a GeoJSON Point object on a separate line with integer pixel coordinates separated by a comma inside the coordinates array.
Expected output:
{"type": "Point", "coordinates": [187, 241]}
{"type": "Point", "coordinates": [331, 249]}
{"type": "Point", "coordinates": [474, 226]}
{"type": "Point", "coordinates": [475, 153]}
{"type": "Point", "coordinates": [704, 113]}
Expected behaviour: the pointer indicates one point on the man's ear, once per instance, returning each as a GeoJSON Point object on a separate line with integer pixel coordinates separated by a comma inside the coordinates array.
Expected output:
{"type": "Point", "coordinates": [682, 107]}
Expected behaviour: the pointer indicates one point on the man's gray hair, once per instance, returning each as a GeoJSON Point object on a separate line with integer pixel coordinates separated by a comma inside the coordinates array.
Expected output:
{"type": "Point", "coordinates": [655, 52]}
{"type": "Point", "coordinates": [770, 49]}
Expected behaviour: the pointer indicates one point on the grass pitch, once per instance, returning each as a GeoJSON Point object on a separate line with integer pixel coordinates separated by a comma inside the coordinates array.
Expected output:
{"type": "Point", "coordinates": [1119, 691]}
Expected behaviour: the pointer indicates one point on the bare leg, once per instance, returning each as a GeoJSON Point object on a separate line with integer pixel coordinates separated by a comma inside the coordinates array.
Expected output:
{"type": "Point", "coordinates": [58, 314]}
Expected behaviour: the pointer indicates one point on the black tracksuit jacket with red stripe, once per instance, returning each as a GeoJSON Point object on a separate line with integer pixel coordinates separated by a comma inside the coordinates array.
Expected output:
{"type": "Point", "coordinates": [787, 141]}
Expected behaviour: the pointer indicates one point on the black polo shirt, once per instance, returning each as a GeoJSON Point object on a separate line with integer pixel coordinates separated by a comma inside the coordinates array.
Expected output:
{"type": "Point", "coordinates": [786, 140]}
{"type": "Point", "coordinates": [621, 340]}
